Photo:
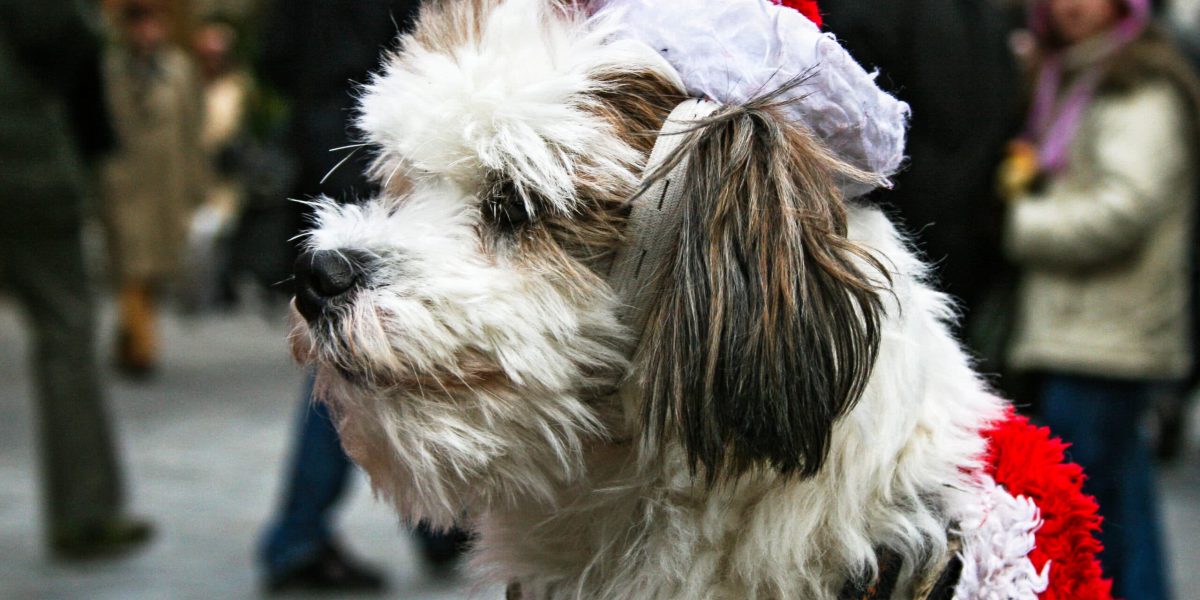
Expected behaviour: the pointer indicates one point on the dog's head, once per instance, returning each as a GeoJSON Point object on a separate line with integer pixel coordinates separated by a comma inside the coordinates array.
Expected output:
{"type": "Point", "coordinates": [462, 323]}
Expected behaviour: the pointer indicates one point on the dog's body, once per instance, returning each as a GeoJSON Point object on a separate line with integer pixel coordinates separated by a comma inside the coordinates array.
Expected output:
{"type": "Point", "coordinates": [796, 406]}
{"type": "Point", "coordinates": [895, 479]}
{"type": "Point", "coordinates": [616, 527]}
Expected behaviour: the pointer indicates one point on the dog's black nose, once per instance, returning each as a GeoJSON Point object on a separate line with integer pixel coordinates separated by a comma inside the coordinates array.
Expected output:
{"type": "Point", "coordinates": [324, 275]}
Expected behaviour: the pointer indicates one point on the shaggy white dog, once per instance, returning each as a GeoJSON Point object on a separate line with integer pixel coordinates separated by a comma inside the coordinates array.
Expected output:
{"type": "Point", "coordinates": [790, 417]}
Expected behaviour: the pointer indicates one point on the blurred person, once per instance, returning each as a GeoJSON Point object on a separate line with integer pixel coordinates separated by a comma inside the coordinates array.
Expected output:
{"type": "Point", "coordinates": [52, 118]}
{"type": "Point", "coordinates": [1182, 20]}
{"type": "Point", "coordinates": [226, 87]}
{"type": "Point", "coordinates": [314, 54]}
{"type": "Point", "coordinates": [949, 60]}
{"type": "Point", "coordinates": [1102, 205]}
{"type": "Point", "coordinates": [154, 180]}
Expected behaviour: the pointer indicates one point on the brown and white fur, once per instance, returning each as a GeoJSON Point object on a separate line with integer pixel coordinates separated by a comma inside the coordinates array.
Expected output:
{"type": "Point", "coordinates": [796, 404]}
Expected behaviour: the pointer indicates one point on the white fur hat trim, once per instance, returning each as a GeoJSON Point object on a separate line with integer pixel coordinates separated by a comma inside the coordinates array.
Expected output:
{"type": "Point", "coordinates": [733, 50]}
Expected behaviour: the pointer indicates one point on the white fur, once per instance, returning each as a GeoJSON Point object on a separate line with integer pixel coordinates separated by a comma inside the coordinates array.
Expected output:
{"type": "Point", "coordinates": [512, 101]}
{"type": "Point", "coordinates": [438, 297]}
{"type": "Point", "coordinates": [542, 467]}
{"type": "Point", "coordinates": [655, 535]}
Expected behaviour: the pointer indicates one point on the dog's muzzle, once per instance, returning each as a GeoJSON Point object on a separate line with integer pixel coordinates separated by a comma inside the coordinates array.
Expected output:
{"type": "Point", "coordinates": [324, 277]}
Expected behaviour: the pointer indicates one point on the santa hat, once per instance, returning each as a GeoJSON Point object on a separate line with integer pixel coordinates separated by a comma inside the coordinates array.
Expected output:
{"type": "Point", "coordinates": [731, 51]}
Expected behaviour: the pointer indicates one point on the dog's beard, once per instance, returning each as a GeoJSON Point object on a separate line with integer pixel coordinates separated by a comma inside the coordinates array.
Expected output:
{"type": "Point", "coordinates": [445, 420]}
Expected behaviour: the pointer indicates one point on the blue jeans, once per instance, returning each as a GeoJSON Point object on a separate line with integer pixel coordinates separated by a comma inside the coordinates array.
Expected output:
{"type": "Point", "coordinates": [1101, 419]}
{"type": "Point", "coordinates": [316, 480]}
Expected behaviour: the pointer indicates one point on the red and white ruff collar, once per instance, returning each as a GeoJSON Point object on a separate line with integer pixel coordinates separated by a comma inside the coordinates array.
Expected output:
{"type": "Point", "coordinates": [1033, 531]}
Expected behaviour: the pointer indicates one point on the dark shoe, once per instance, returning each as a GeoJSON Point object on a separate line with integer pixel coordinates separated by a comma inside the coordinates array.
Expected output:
{"type": "Point", "coordinates": [1171, 415]}
{"type": "Point", "coordinates": [331, 570]}
{"type": "Point", "coordinates": [1172, 437]}
{"type": "Point", "coordinates": [129, 364]}
{"type": "Point", "coordinates": [442, 550]}
{"type": "Point", "coordinates": [137, 372]}
{"type": "Point", "coordinates": [109, 539]}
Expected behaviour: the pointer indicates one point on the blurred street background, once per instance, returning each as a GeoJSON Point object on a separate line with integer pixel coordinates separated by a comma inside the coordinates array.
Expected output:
{"type": "Point", "coordinates": [149, 149]}
{"type": "Point", "coordinates": [207, 440]}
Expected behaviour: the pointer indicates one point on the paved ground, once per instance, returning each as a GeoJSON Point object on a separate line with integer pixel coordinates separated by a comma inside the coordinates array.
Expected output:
{"type": "Point", "coordinates": [204, 443]}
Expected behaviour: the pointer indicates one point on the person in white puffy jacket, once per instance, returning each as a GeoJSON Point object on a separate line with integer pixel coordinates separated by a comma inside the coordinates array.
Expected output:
{"type": "Point", "coordinates": [1100, 221]}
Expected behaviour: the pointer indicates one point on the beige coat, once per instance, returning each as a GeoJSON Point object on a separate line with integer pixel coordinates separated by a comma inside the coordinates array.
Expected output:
{"type": "Point", "coordinates": [1105, 248]}
{"type": "Point", "coordinates": [155, 179]}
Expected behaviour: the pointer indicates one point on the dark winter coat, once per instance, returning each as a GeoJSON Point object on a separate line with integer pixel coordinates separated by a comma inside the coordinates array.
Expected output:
{"type": "Point", "coordinates": [950, 61]}
{"type": "Point", "coordinates": [47, 51]}
{"type": "Point", "coordinates": [314, 54]}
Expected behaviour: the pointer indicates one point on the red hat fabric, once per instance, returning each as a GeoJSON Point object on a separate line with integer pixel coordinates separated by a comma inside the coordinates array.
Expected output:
{"type": "Point", "coordinates": [807, 8]}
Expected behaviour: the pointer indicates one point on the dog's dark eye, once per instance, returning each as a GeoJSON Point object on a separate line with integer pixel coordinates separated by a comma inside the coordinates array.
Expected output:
{"type": "Point", "coordinates": [505, 206]}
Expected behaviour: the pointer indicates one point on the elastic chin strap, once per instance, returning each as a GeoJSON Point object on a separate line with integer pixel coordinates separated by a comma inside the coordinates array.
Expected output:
{"type": "Point", "coordinates": [653, 225]}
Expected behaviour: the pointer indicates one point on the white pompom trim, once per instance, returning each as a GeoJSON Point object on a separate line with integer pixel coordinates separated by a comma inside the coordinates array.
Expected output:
{"type": "Point", "coordinates": [997, 536]}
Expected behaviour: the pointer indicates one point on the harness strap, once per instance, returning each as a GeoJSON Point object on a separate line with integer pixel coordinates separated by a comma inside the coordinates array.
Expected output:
{"type": "Point", "coordinates": [883, 587]}
{"type": "Point", "coordinates": [654, 217]}
{"type": "Point", "coordinates": [935, 582]}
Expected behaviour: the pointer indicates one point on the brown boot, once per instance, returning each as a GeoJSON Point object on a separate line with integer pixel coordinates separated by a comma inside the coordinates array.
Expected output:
{"type": "Point", "coordinates": [137, 336]}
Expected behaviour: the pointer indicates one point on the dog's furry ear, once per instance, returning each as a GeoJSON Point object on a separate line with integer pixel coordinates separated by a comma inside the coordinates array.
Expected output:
{"type": "Point", "coordinates": [768, 319]}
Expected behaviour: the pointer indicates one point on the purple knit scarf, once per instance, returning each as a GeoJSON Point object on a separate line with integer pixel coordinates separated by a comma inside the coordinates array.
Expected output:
{"type": "Point", "coordinates": [1055, 116]}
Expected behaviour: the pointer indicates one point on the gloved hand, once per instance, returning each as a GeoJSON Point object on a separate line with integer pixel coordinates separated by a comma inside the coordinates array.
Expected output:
{"type": "Point", "coordinates": [1018, 171]}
